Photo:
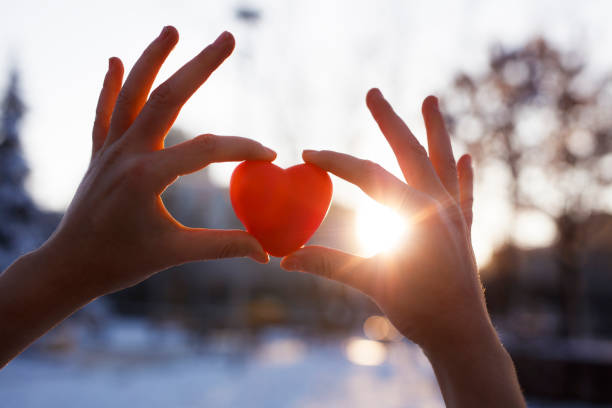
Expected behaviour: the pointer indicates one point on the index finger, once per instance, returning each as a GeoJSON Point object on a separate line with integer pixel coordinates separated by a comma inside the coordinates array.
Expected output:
{"type": "Point", "coordinates": [202, 150]}
{"type": "Point", "coordinates": [374, 180]}
{"type": "Point", "coordinates": [411, 156]}
{"type": "Point", "coordinates": [162, 108]}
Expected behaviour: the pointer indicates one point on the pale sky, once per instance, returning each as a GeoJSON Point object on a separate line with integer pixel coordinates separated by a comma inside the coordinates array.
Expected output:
{"type": "Point", "coordinates": [296, 80]}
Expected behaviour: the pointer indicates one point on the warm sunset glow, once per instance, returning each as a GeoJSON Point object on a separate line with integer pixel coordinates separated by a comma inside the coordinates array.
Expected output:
{"type": "Point", "coordinates": [365, 352]}
{"type": "Point", "coordinates": [378, 227]}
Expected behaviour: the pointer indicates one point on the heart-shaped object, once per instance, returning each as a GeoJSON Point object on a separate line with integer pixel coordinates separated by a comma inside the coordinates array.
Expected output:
{"type": "Point", "coordinates": [281, 208]}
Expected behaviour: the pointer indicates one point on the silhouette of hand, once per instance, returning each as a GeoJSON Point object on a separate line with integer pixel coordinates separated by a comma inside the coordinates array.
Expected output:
{"type": "Point", "coordinates": [116, 230]}
{"type": "Point", "coordinates": [429, 286]}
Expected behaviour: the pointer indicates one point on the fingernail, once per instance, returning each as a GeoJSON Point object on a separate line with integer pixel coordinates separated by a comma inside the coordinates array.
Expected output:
{"type": "Point", "coordinates": [469, 160]}
{"type": "Point", "coordinates": [307, 153]}
{"type": "Point", "coordinates": [164, 32]}
{"type": "Point", "coordinates": [436, 102]}
{"type": "Point", "coordinates": [223, 37]}
{"type": "Point", "coordinates": [110, 63]}
{"type": "Point", "coordinates": [376, 91]}
{"type": "Point", "coordinates": [270, 151]}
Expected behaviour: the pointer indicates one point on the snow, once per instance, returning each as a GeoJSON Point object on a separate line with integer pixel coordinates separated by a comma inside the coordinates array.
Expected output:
{"type": "Point", "coordinates": [136, 365]}
{"type": "Point", "coordinates": [132, 363]}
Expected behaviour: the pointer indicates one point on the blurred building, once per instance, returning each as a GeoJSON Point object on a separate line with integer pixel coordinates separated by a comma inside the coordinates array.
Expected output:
{"type": "Point", "coordinates": [548, 365]}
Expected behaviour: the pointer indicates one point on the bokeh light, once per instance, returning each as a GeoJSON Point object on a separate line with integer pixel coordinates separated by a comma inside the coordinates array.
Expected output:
{"type": "Point", "coordinates": [365, 352]}
{"type": "Point", "coordinates": [380, 328]}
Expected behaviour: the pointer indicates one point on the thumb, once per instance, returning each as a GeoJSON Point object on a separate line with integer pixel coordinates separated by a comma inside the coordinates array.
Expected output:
{"type": "Point", "coordinates": [332, 264]}
{"type": "Point", "coordinates": [195, 244]}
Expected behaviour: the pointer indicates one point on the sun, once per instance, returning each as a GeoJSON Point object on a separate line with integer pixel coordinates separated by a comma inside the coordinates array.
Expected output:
{"type": "Point", "coordinates": [378, 228]}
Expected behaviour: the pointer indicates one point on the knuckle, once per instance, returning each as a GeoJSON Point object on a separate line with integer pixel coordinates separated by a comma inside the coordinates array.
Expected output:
{"type": "Point", "coordinates": [162, 96]}
{"type": "Point", "coordinates": [451, 166]}
{"type": "Point", "coordinates": [325, 267]}
{"type": "Point", "coordinates": [124, 98]}
{"type": "Point", "coordinates": [371, 170]}
{"type": "Point", "coordinates": [417, 149]}
{"type": "Point", "coordinates": [137, 173]}
{"type": "Point", "coordinates": [230, 249]}
{"type": "Point", "coordinates": [467, 202]}
{"type": "Point", "coordinates": [466, 208]}
{"type": "Point", "coordinates": [207, 143]}
{"type": "Point", "coordinates": [113, 155]}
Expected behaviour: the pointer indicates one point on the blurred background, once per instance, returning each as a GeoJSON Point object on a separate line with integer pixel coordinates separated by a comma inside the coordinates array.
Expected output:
{"type": "Point", "coordinates": [527, 90]}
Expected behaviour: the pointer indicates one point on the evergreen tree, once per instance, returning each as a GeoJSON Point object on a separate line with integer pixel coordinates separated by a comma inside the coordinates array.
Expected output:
{"type": "Point", "coordinates": [17, 211]}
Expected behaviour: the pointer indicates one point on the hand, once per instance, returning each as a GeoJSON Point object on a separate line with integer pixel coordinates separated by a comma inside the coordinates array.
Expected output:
{"type": "Point", "coordinates": [116, 227]}
{"type": "Point", "coordinates": [429, 286]}
{"type": "Point", "coordinates": [117, 232]}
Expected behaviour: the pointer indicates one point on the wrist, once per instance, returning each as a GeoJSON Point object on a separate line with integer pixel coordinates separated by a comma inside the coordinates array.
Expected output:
{"type": "Point", "coordinates": [35, 295]}
{"type": "Point", "coordinates": [474, 369]}
{"type": "Point", "coordinates": [60, 267]}
{"type": "Point", "coordinates": [472, 332]}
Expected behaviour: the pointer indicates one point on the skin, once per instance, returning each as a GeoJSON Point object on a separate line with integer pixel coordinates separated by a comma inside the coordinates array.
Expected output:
{"type": "Point", "coordinates": [429, 286]}
{"type": "Point", "coordinates": [116, 231]}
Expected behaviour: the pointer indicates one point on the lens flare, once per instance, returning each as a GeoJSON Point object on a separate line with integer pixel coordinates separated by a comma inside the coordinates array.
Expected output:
{"type": "Point", "coordinates": [379, 229]}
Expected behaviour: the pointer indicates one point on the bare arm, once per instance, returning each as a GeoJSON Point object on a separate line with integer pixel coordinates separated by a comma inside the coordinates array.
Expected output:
{"type": "Point", "coordinates": [428, 287]}
{"type": "Point", "coordinates": [117, 232]}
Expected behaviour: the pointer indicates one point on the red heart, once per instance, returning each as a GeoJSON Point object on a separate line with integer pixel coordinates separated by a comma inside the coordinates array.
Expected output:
{"type": "Point", "coordinates": [280, 208]}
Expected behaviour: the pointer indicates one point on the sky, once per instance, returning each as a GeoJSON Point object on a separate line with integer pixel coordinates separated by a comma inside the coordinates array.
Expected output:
{"type": "Point", "coordinates": [296, 80]}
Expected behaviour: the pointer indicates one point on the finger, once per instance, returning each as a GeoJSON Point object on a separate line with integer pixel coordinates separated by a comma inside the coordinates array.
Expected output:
{"type": "Point", "coordinates": [202, 150]}
{"type": "Point", "coordinates": [166, 101]}
{"type": "Point", "coordinates": [439, 146]}
{"type": "Point", "coordinates": [106, 102]}
{"type": "Point", "coordinates": [332, 264]}
{"type": "Point", "coordinates": [136, 89]}
{"type": "Point", "coordinates": [195, 244]}
{"type": "Point", "coordinates": [411, 156]}
{"type": "Point", "coordinates": [374, 180]}
{"type": "Point", "coordinates": [466, 188]}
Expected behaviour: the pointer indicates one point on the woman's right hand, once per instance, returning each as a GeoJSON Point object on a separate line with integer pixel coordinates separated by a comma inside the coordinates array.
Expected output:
{"type": "Point", "coordinates": [429, 286]}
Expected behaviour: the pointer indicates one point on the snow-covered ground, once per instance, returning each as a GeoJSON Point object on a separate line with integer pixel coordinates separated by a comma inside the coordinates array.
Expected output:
{"type": "Point", "coordinates": [132, 364]}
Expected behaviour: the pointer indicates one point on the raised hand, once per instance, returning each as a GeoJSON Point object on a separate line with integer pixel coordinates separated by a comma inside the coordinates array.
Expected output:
{"type": "Point", "coordinates": [117, 217]}
{"type": "Point", "coordinates": [117, 232]}
{"type": "Point", "coordinates": [429, 286]}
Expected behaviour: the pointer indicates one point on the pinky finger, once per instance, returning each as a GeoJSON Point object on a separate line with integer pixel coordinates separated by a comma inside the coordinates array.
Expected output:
{"type": "Point", "coordinates": [106, 102]}
{"type": "Point", "coordinates": [466, 188]}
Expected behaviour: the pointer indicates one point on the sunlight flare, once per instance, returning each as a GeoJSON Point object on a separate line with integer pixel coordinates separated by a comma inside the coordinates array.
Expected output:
{"type": "Point", "coordinates": [379, 229]}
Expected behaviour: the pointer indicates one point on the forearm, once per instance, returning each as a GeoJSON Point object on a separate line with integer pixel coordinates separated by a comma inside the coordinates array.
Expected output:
{"type": "Point", "coordinates": [36, 294]}
{"type": "Point", "coordinates": [476, 372]}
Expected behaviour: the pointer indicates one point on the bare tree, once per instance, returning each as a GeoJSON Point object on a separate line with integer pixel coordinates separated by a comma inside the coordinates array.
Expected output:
{"type": "Point", "coordinates": [541, 115]}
